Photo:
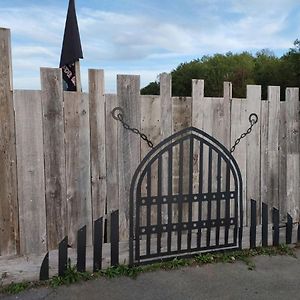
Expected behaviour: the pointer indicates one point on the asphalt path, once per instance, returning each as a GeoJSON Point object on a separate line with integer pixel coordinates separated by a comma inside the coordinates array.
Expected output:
{"type": "Point", "coordinates": [273, 278]}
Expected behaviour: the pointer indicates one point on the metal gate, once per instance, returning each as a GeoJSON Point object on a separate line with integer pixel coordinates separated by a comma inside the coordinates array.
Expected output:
{"type": "Point", "coordinates": [185, 198]}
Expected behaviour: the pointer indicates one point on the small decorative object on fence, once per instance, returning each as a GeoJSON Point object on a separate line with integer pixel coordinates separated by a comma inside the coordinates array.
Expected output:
{"type": "Point", "coordinates": [81, 249]}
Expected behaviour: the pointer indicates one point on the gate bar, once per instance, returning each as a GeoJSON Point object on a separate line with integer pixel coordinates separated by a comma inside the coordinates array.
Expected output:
{"type": "Point", "coordinates": [227, 204]}
{"type": "Point", "coordinates": [264, 224]}
{"type": "Point", "coordinates": [159, 210]}
{"type": "Point", "coordinates": [200, 193]}
{"type": "Point", "coordinates": [180, 195]}
{"type": "Point", "coordinates": [170, 191]}
{"type": "Point", "coordinates": [148, 243]}
{"type": "Point", "coordinates": [218, 200]}
{"type": "Point", "coordinates": [190, 203]}
{"type": "Point", "coordinates": [209, 200]}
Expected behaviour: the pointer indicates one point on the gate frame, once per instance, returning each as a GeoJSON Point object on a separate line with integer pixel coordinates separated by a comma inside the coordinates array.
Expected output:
{"type": "Point", "coordinates": [186, 132]}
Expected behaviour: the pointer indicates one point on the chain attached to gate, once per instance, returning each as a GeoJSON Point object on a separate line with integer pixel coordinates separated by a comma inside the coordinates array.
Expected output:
{"type": "Point", "coordinates": [253, 118]}
{"type": "Point", "coordinates": [118, 114]}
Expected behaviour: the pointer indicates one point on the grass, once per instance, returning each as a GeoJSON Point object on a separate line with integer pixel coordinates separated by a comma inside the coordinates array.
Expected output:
{"type": "Point", "coordinates": [72, 276]}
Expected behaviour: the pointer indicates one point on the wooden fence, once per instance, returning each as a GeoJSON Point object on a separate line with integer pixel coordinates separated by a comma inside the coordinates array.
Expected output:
{"type": "Point", "coordinates": [65, 162]}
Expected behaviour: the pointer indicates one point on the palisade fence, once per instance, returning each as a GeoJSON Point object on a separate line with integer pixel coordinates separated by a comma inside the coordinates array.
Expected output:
{"type": "Point", "coordinates": [65, 162]}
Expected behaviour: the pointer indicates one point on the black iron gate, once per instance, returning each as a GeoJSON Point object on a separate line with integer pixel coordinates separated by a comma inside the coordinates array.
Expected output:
{"type": "Point", "coordinates": [185, 198]}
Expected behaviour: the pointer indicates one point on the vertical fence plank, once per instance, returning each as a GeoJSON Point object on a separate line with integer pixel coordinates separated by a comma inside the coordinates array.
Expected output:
{"type": "Point", "coordinates": [98, 149]}
{"type": "Point", "coordinates": [166, 128]}
{"type": "Point", "coordinates": [264, 225]}
{"type": "Point", "coordinates": [273, 143]}
{"type": "Point", "coordinates": [253, 147]}
{"type": "Point", "coordinates": [275, 219]}
{"type": "Point", "coordinates": [283, 161]}
{"type": "Point", "coordinates": [30, 166]}
{"type": "Point", "coordinates": [98, 238]}
{"type": "Point", "coordinates": [253, 224]}
{"type": "Point", "coordinates": [54, 155]}
{"type": "Point", "coordinates": [9, 226]}
{"type": "Point", "coordinates": [128, 91]}
{"type": "Point", "coordinates": [293, 152]}
{"type": "Point", "coordinates": [81, 249]}
{"type": "Point", "coordinates": [239, 122]}
{"type": "Point", "coordinates": [111, 145]}
{"type": "Point", "coordinates": [77, 136]}
{"type": "Point", "coordinates": [114, 238]}
{"type": "Point", "coordinates": [63, 256]}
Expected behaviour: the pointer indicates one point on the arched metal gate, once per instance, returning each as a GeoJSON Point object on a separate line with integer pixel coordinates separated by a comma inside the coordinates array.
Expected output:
{"type": "Point", "coordinates": [185, 198]}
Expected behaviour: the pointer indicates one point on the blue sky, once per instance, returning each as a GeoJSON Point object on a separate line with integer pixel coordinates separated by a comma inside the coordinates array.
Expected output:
{"type": "Point", "coordinates": [144, 37]}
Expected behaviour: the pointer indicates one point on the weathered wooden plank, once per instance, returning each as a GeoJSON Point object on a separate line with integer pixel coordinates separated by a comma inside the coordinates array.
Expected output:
{"type": "Point", "coordinates": [273, 145]}
{"type": "Point", "coordinates": [166, 110]}
{"type": "Point", "coordinates": [128, 92]}
{"type": "Point", "coordinates": [182, 118]}
{"type": "Point", "coordinates": [253, 148]}
{"type": "Point", "coordinates": [239, 122]}
{"type": "Point", "coordinates": [166, 129]}
{"type": "Point", "coordinates": [111, 142]}
{"type": "Point", "coordinates": [9, 223]}
{"type": "Point", "coordinates": [150, 121]}
{"type": "Point", "coordinates": [264, 129]}
{"type": "Point", "coordinates": [282, 162]}
{"type": "Point", "coordinates": [293, 153]}
{"type": "Point", "coordinates": [30, 167]}
{"type": "Point", "coordinates": [77, 138]}
{"type": "Point", "coordinates": [54, 156]}
{"type": "Point", "coordinates": [98, 149]}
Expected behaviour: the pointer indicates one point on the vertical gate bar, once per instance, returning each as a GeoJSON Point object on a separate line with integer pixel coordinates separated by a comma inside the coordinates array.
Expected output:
{"type": "Point", "coordinates": [275, 217]}
{"type": "Point", "coordinates": [137, 222]}
{"type": "Point", "coordinates": [148, 242]}
{"type": "Point", "coordinates": [209, 198]}
{"type": "Point", "coordinates": [159, 193]}
{"type": "Point", "coordinates": [264, 224]}
{"type": "Point", "coordinates": [227, 204]}
{"type": "Point", "coordinates": [81, 249]}
{"type": "Point", "coordinates": [179, 229]}
{"type": "Point", "coordinates": [298, 233]}
{"type": "Point", "coordinates": [190, 197]}
{"type": "Point", "coordinates": [63, 257]}
{"type": "Point", "coordinates": [44, 271]}
{"type": "Point", "coordinates": [218, 200]}
{"type": "Point", "coordinates": [114, 238]}
{"type": "Point", "coordinates": [98, 238]}
{"type": "Point", "coordinates": [289, 229]}
{"type": "Point", "coordinates": [170, 191]}
{"type": "Point", "coordinates": [253, 225]}
{"type": "Point", "coordinates": [200, 194]}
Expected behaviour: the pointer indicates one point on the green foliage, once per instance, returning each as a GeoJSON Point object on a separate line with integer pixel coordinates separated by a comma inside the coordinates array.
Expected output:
{"type": "Point", "coordinates": [72, 275]}
{"type": "Point", "coordinates": [15, 288]}
{"type": "Point", "coordinates": [264, 69]}
{"type": "Point", "coordinates": [151, 89]}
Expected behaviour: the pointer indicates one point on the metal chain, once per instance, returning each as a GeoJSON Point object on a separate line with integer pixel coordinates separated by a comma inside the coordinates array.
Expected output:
{"type": "Point", "coordinates": [118, 114]}
{"type": "Point", "coordinates": [253, 118]}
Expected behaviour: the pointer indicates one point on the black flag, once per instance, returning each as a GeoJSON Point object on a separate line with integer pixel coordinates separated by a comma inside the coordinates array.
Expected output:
{"type": "Point", "coordinates": [71, 49]}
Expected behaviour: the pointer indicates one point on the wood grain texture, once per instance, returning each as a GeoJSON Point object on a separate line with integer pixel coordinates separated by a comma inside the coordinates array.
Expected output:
{"type": "Point", "coordinates": [253, 148]}
{"type": "Point", "coordinates": [264, 132]}
{"type": "Point", "coordinates": [293, 152]}
{"type": "Point", "coordinates": [30, 166]}
{"type": "Point", "coordinates": [128, 92]}
{"type": "Point", "coordinates": [283, 162]}
{"type": "Point", "coordinates": [54, 156]}
{"type": "Point", "coordinates": [111, 154]}
{"type": "Point", "coordinates": [98, 136]}
{"type": "Point", "coordinates": [239, 122]}
{"type": "Point", "coordinates": [9, 224]}
{"type": "Point", "coordinates": [77, 139]}
{"type": "Point", "coordinates": [273, 145]}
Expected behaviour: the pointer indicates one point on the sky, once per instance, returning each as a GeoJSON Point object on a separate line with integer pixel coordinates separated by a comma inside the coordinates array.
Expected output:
{"type": "Point", "coordinates": [143, 37]}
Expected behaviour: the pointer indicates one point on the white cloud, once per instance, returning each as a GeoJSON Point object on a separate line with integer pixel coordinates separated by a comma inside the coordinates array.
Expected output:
{"type": "Point", "coordinates": [137, 41]}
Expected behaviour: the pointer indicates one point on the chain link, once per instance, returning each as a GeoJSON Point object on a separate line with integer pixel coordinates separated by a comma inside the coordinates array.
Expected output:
{"type": "Point", "coordinates": [253, 118]}
{"type": "Point", "coordinates": [118, 114]}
